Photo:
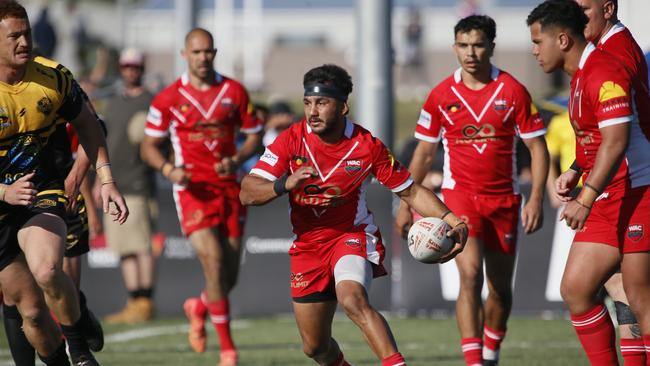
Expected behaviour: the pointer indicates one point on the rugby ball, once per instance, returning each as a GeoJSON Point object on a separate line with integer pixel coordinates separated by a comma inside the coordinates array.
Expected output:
{"type": "Point", "coordinates": [427, 239]}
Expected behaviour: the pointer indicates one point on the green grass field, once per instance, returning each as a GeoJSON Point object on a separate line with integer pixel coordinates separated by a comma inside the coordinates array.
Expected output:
{"type": "Point", "coordinates": [275, 341]}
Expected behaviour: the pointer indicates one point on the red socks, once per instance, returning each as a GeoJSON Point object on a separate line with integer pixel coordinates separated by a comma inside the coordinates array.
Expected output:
{"type": "Point", "coordinates": [220, 317]}
{"type": "Point", "coordinates": [395, 359]}
{"type": "Point", "coordinates": [646, 341]}
{"type": "Point", "coordinates": [596, 333]}
{"type": "Point", "coordinates": [472, 351]}
{"type": "Point", "coordinates": [492, 339]}
{"type": "Point", "coordinates": [633, 351]}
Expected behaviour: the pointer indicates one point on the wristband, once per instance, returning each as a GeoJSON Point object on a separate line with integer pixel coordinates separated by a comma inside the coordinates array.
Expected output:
{"type": "Point", "coordinates": [583, 205]}
{"type": "Point", "coordinates": [587, 185]}
{"type": "Point", "coordinates": [279, 186]}
{"type": "Point", "coordinates": [3, 191]}
{"type": "Point", "coordinates": [108, 182]}
{"type": "Point", "coordinates": [104, 173]}
{"type": "Point", "coordinates": [101, 165]}
{"type": "Point", "coordinates": [574, 166]}
{"type": "Point", "coordinates": [442, 217]}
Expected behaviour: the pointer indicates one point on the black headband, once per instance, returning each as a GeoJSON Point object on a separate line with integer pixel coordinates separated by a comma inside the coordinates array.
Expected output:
{"type": "Point", "coordinates": [322, 90]}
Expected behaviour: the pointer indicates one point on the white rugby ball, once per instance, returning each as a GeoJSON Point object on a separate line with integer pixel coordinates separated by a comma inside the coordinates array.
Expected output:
{"type": "Point", "coordinates": [427, 239]}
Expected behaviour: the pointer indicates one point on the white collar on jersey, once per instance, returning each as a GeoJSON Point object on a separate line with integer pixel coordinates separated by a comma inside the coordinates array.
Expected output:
{"type": "Point", "coordinates": [612, 31]}
{"type": "Point", "coordinates": [494, 74]}
{"type": "Point", "coordinates": [585, 54]}
{"type": "Point", "coordinates": [185, 78]}
{"type": "Point", "coordinates": [349, 128]}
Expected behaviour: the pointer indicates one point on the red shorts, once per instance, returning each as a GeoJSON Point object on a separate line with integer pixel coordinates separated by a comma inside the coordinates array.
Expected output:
{"type": "Point", "coordinates": [203, 205]}
{"type": "Point", "coordinates": [494, 219]}
{"type": "Point", "coordinates": [620, 219]}
{"type": "Point", "coordinates": [312, 264]}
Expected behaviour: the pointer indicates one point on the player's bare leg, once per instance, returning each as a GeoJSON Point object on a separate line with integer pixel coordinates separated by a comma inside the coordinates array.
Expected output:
{"type": "Point", "coordinates": [232, 259]}
{"type": "Point", "coordinates": [209, 247]}
{"type": "Point", "coordinates": [588, 267]}
{"type": "Point", "coordinates": [499, 268]}
{"type": "Point", "coordinates": [42, 240]}
{"type": "Point", "coordinates": [19, 288]}
{"type": "Point", "coordinates": [636, 281]}
{"type": "Point", "coordinates": [631, 340]}
{"type": "Point", "coordinates": [354, 300]}
{"type": "Point", "coordinates": [469, 310]}
{"type": "Point", "coordinates": [314, 322]}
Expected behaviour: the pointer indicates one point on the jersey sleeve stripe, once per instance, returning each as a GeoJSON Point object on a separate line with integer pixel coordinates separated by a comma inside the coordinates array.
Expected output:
{"type": "Point", "coordinates": [264, 174]}
{"type": "Point", "coordinates": [530, 135]}
{"type": "Point", "coordinates": [255, 129]}
{"type": "Point", "coordinates": [403, 186]}
{"type": "Point", "coordinates": [426, 138]}
{"type": "Point", "coordinates": [155, 133]}
{"type": "Point", "coordinates": [59, 82]}
{"type": "Point", "coordinates": [615, 121]}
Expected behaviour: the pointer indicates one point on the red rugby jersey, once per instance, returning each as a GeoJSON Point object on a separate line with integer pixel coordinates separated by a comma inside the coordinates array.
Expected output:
{"type": "Point", "coordinates": [333, 203]}
{"type": "Point", "coordinates": [202, 124]}
{"type": "Point", "coordinates": [601, 96]}
{"type": "Point", "coordinates": [620, 43]}
{"type": "Point", "coordinates": [478, 129]}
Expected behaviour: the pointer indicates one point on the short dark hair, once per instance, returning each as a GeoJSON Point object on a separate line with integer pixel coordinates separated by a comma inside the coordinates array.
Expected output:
{"type": "Point", "coordinates": [482, 23]}
{"type": "Point", "coordinates": [565, 14]}
{"type": "Point", "coordinates": [11, 9]}
{"type": "Point", "coordinates": [329, 74]}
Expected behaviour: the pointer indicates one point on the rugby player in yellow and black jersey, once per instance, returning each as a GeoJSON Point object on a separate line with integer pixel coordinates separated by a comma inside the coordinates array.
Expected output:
{"type": "Point", "coordinates": [77, 218]}
{"type": "Point", "coordinates": [32, 98]}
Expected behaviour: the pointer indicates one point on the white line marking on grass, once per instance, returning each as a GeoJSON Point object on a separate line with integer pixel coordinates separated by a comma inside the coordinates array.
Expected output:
{"type": "Point", "coordinates": [149, 332]}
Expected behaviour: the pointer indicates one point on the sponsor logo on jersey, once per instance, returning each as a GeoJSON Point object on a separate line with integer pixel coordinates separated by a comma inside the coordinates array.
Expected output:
{"type": "Point", "coordinates": [314, 195]}
{"type": "Point", "coordinates": [269, 157]}
{"type": "Point", "coordinates": [44, 105]}
{"type": "Point", "coordinates": [500, 104]}
{"type": "Point", "coordinates": [453, 108]}
{"type": "Point", "coordinates": [471, 131]}
{"type": "Point", "coordinates": [45, 203]}
{"type": "Point", "coordinates": [353, 166]}
{"type": "Point", "coordinates": [228, 102]}
{"type": "Point", "coordinates": [635, 232]}
{"type": "Point", "coordinates": [425, 119]}
{"type": "Point", "coordinates": [297, 280]}
{"type": "Point", "coordinates": [353, 243]}
{"type": "Point", "coordinates": [610, 90]}
{"type": "Point", "coordinates": [4, 118]}
{"type": "Point", "coordinates": [184, 107]}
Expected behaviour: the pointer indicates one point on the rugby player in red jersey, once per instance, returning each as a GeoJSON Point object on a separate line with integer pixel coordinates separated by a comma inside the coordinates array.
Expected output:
{"type": "Point", "coordinates": [477, 113]}
{"type": "Point", "coordinates": [201, 113]}
{"type": "Point", "coordinates": [325, 163]}
{"type": "Point", "coordinates": [612, 210]}
{"type": "Point", "coordinates": [610, 35]}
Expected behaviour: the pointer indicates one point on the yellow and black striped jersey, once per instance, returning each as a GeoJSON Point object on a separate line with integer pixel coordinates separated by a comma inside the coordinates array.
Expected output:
{"type": "Point", "coordinates": [29, 112]}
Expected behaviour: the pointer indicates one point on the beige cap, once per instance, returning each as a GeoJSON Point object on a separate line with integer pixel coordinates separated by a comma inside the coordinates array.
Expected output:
{"type": "Point", "coordinates": [131, 56]}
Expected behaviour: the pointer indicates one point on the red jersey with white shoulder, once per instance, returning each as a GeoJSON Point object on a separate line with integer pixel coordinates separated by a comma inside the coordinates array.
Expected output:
{"type": "Point", "coordinates": [620, 43]}
{"type": "Point", "coordinates": [601, 96]}
{"type": "Point", "coordinates": [333, 203]}
{"type": "Point", "coordinates": [478, 129]}
{"type": "Point", "coordinates": [202, 124]}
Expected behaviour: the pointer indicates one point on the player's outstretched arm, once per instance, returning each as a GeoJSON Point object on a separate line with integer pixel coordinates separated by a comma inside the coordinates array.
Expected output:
{"type": "Point", "coordinates": [419, 166]}
{"type": "Point", "coordinates": [91, 138]}
{"type": "Point", "coordinates": [610, 153]}
{"type": "Point", "coordinates": [257, 191]}
{"type": "Point", "coordinates": [427, 204]}
{"type": "Point", "coordinates": [532, 215]}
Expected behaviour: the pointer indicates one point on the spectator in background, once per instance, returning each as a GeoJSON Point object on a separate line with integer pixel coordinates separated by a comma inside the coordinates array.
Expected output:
{"type": "Point", "coordinates": [280, 117]}
{"type": "Point", "coordinates": [44, 34]}
{"type": "Point", "coordinates": [414, 38]}
{"type": "Point", "coordinates": [125, 115]}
